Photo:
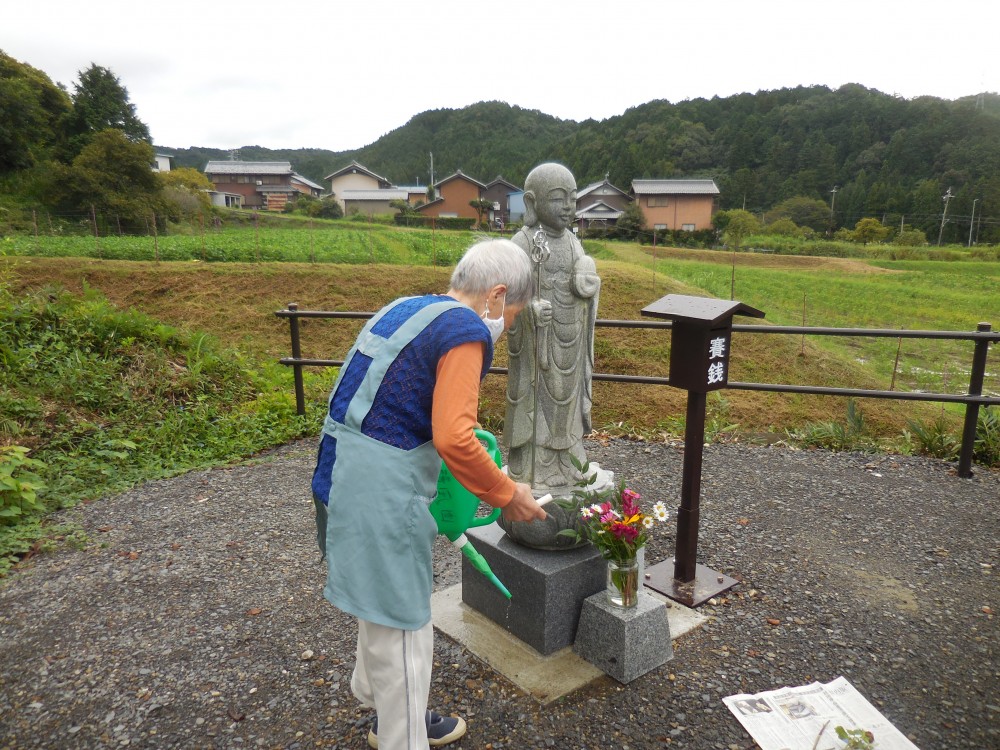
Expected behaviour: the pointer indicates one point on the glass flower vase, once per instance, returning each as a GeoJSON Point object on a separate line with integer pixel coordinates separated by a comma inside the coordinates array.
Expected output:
{"type": "Point", "coordinates": [623, 582]}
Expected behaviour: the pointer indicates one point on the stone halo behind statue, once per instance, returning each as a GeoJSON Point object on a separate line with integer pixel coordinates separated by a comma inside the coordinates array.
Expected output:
{"type": "Point", "coordinates": [551, 346]}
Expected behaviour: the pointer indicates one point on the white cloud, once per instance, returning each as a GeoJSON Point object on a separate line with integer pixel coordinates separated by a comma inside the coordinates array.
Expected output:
{"type": "Point", "coordinates": [339, 75]}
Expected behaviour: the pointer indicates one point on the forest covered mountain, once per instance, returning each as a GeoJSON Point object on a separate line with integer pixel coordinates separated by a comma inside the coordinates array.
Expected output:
{"type": "Point", "coordinates": [887, 156]}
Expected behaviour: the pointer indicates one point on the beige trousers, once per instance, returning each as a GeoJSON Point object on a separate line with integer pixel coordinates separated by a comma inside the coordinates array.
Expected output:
{"type": "Point", "coordinates": [392, 674]}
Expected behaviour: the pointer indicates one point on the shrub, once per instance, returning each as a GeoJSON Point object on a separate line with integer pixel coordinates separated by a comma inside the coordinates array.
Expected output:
{"type": "Point", "coordinates": [935, 439]}
{"type": "Point", "coordinates": [987, 448]}
{"type": "Point", "coordinates": [19, 485]}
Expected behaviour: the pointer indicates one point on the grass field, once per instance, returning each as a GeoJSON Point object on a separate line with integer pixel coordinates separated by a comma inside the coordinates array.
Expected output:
{"type": "Point", "coordinates": [236, 302]}
{"type": "Point", "coordinates": [324, 242]}
{"type": "Point", "coordinates": [176, 369]}
{"type": "Point", "coordinates": [834, 292]}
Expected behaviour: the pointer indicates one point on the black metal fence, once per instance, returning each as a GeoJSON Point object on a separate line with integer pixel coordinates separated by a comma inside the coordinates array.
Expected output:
{"type": "Point", "coordinates": [982, 337]}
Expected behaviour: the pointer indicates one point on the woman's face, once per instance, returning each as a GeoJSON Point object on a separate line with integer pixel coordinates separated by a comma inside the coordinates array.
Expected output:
{"type": "Point", "coordinates": [510, 312]}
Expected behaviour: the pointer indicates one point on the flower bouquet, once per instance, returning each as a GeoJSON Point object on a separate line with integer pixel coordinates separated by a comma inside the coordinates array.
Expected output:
{"type": "Point", "coordinates": [614, 523]}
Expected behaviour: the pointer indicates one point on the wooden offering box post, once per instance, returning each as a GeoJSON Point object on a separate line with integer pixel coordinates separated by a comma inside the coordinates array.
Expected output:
{"type": "Point", "coordinates": [701, 335]}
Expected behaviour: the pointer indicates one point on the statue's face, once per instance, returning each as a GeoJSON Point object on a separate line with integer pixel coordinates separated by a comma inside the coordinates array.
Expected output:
{"type": "Point", "coordinates": [556, 207]}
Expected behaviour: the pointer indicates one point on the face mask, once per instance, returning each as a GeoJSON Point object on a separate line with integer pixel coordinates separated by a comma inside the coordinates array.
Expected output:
{"type": "Point", "coordinates": [495, 325]}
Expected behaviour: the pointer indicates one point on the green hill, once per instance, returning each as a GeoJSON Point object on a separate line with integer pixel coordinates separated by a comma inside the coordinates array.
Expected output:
{"type": "Point", "coordinates": [888, 157]}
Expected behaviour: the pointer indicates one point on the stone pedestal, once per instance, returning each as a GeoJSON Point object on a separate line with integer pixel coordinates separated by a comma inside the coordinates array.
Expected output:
{"type": "Point", "coordinates": [624, 643]}
{"type": "Point", "coordinates": [547, 588]}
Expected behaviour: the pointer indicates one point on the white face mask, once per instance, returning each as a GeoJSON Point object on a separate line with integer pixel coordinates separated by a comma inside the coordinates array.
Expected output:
{"type": "Point", "coordinates": [495, 325]}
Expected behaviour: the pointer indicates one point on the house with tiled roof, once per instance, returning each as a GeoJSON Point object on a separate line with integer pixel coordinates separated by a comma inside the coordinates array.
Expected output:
{"type": "Point", "coordinates": [355, 176]}
{"type": "Point", "coordinates": [454, 193]}
{"type": "Point", "coordinates": [306, 186]}
{"type": "Point", "coordinates": [369, 202]}
{"type": "Point", "coordinates": [600, 204]}
{"type": "Point", "coordinates": [676, 204]}
{"type": "Point", "coordinates": [262, 184]}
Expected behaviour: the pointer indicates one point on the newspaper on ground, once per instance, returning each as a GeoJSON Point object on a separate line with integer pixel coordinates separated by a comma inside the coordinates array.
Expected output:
{"type": "Point", "coordinates": [806, 717]}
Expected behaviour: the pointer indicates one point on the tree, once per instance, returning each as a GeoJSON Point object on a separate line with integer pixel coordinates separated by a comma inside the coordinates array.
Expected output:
{"type": "Point", "coordinates": [113, 175]}
{"type": "Point", "coordinates": [910, 237]}
{"type": "Point", "coordinates": [631, 222]}
{"type": "Point", "coordinates": [185, 191]}
{"type": "Point", "coordinates": [784, 227]}
{"type": "Point", "coordinates": [869, 230]}
{"type": "Point", "coordinates": [805, 212]}
{"type": "Point", "coordinates": [329, 208]}
{"type": "Point", "coordinates": [403, 206]}
{"type": "Point", "coordinates": [740, 224]}
{"type": "Point", "coordinates": [31, 114]}
{"type": "Point", "coordinates": [480, 205]}
{"type": "Point", "coordinates": [101, 102]}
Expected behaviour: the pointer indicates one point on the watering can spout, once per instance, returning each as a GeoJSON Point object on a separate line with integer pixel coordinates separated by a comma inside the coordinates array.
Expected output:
{"type": "Point", "coordinates": [479, 562]}
{"type": "Point", "coordinates": [454, 509]}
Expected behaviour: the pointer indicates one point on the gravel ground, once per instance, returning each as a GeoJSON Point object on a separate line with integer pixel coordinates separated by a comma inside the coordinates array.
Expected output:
{"type": "Point", "coordinates": [194, 619]}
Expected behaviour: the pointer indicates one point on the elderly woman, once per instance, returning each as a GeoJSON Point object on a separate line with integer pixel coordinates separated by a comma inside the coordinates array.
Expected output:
{"type": "Point", "coordinates": [406, 398]}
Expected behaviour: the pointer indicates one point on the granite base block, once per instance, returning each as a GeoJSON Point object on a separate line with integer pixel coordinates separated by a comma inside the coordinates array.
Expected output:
{"type": "Point", "coordinates": [547, 588]}
{"type": "Point", "coordinates": [624, 643]}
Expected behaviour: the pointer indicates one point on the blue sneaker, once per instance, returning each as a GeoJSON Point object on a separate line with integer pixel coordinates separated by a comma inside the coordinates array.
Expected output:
{"type": "Point", "coordinates": [441, 730]}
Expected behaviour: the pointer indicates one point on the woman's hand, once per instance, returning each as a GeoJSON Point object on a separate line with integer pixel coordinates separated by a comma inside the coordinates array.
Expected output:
{"type": "Point", "coordinates": [523, 506]}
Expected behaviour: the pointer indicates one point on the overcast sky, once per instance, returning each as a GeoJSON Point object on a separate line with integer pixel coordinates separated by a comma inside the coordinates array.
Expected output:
{"type": "Point", "coordinates": [339, 75]}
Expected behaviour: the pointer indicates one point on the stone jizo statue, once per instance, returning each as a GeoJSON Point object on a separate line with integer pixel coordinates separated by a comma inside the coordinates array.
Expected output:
{"type": "Point", "coordinates": [551, 349]}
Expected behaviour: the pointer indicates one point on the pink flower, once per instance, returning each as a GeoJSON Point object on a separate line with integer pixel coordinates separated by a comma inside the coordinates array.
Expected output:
{"type": "Point", "coordinates": [630, 502]}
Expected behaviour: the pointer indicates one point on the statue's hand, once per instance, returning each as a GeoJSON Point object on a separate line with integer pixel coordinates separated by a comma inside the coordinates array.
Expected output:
{"type": "Point", "coordinates": [541, 311]}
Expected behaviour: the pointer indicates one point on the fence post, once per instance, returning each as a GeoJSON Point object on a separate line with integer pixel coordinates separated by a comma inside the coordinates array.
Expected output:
{"type": "Point", "coordinates": [972, 410]}
{"type": "Point", "coordinates": [300, 395]}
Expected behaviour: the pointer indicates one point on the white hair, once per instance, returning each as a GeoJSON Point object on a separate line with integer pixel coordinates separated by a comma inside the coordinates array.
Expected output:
{"type": "Point", "coordinates": [492, 262]}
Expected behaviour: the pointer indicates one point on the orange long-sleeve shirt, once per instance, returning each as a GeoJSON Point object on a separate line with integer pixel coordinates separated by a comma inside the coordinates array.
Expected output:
{"type": "Point", "coordinates": [453, 418]}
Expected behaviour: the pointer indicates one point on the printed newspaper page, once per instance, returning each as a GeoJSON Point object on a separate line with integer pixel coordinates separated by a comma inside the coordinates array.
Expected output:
{"type": "Point", "coordinates": [806, 717]}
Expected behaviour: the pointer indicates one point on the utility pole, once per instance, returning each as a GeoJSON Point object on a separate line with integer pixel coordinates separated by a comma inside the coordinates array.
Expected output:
{"type": "Point", "coordinates": [833, 201]}
{"type": "Point", "coordinates": [432, 168]}
{"type": "Point", "coordinates": [944, 214]}
{"type": "Point", "coordinates": [972, 220]}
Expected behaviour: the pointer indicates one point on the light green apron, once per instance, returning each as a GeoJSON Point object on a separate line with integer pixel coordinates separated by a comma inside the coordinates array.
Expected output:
{"type": "Point", "coordinates": [379, 533]}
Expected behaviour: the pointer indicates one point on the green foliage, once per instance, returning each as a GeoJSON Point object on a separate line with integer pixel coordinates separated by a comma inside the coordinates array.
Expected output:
{"type": "Point", "coordinates": [987, 447]}
{"type": "Point", "coordinates": [440, 222]}
{"type": "Point", "coordinates": [101, 102]}
{"type": "Point", "coordinates": [803, 212]}
{"type": "Point", "coordinates": [739, 224]}
{"type": "Point", "coordinates": [30, 117]}
{"type": "Point", "coordinates": [935, 439]}
{"type": "Point", "coordinates": [910, 237]}
{"type": "Point", "coordinates": [630, 223]}
{"type": "Point", "coordinates": [404, 207]}
{"type": "Point", "coordinates": [856, 739]}
{"type": "Point", "coordinates": [19, 484]}
{"type": "Point", "coordinates": [111, 176]}
{"type": "Point", "coordinates": [851, 435]}
{"type": "Point", "coordinates": [869, 230]}
{"type": "Point", "coordinates": [784, 227]}
{"type": "Point", "coordinates": [184, 193]}
{"type": "Point", "coordinates": [109, 398]}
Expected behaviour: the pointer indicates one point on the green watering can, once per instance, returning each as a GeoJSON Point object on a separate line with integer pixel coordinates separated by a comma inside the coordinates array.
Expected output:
{"type": "Point", "coordinates": [455, 508]}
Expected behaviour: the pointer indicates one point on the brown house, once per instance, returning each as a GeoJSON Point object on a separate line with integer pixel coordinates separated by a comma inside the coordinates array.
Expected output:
{"type": "Point", "coordinates": [676, 204]}
{"type": "Point", "coordinates": [262, 184]}
{"type": "Point", "coordinates": [306, 186]}
{"type": "Point", "coordinates": [498, 193]}
{"type": "Point", "coordinates": [454, 194]}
